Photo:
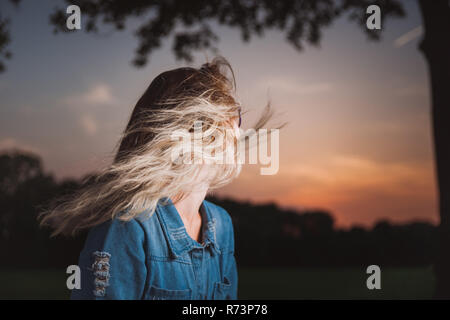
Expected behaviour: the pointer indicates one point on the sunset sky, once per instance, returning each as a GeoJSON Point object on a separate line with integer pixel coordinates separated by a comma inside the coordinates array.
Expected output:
{"type": "Point", "coordinates": [358, 139]}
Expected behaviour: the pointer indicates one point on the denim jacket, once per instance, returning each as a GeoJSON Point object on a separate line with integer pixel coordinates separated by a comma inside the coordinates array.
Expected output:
{"type": "Point", "coordinates": [153, 257]}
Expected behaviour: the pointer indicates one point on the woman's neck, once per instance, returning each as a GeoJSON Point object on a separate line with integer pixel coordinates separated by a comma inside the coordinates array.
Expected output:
{"type": "Point", "coordinates": [189, 206]}
{"type": "Point", "coordinates": [189, 210]}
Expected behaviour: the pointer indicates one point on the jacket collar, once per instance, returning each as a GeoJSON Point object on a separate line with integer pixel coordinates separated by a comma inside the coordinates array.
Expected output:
{"type": "Point", "coordinates": [177, 237]}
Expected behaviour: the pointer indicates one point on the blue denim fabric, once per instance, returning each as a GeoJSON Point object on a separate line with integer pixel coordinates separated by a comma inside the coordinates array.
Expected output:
{"type": "Point", "coordinates": [155, 258]}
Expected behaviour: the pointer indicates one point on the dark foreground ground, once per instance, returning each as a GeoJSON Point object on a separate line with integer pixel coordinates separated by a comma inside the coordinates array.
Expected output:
{"type": "Point", "coordinates": [257, 283]}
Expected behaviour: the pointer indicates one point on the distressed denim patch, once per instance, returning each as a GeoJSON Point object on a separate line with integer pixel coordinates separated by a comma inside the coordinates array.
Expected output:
{"type": "Point", "coordinates": [100, 269]}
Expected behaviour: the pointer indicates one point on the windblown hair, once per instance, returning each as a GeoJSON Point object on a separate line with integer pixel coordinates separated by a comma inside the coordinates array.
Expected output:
{"type": "Point", "coordinates": [143, 172]}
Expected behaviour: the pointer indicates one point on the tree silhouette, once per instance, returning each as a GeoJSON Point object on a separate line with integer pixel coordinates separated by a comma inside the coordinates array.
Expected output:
{"type": "Point", "coordinates": [24, 189]}
{"type": "Point", "coordinates": [5, 38]}
{"type": "Point", "coordinates": [436, 48]}
{"type": "Point", "coordinates": [302, 22]}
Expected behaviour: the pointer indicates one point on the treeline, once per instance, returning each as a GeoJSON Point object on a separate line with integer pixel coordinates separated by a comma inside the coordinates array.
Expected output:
{"type": "Point", "coordinates": [265, 235]}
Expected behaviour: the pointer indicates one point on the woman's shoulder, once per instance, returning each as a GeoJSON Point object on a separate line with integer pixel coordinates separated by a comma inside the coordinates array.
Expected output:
{"type": "Point", "coordinates": [114, 231]}
{"type": "Point", "coordinates": [218, 213]}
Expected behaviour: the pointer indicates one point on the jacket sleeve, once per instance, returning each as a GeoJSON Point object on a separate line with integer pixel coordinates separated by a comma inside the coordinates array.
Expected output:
{"type": "Point", "coordinates": [231, 265]}
{"type": "Point", "coordinates": [112, 263]}
{"type": "Point", "coordinates": [233, 277]}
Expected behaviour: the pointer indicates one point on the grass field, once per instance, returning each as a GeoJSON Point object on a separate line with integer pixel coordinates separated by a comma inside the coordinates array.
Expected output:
{"type": "Point", "coordinates": [257, 283]}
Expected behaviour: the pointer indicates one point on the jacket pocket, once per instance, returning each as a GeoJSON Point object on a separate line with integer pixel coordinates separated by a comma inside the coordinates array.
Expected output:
{"type": "Point", "coordinates": [222, 290]}
{"type": "Point", "coordinates": [156, 293]}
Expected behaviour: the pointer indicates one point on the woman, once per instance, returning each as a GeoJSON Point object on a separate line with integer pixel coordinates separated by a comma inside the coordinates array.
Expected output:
{"type": "Point", "coordinates": [152, 235]}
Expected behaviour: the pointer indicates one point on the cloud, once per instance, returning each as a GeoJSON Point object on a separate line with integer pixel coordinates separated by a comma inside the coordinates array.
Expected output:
{"type": "Point", "coordinates": [363, 172]}
{"type": "Point", "coordinates": [359, 189]}
{"type": "Point", "coordinates": [88, 124]}
{"type": "Point", "coordinates": [12, 143]}
{"type": "Point", "coordinates": [340, 179]}
{"type": "Point", "coordinates": [99, 94]}
{"type": "Point", "coordinates": [408, 37]}
{"type": "Point", "coordinates": [83, 104]}
{"type": "Point", "coordinates": [90, 111]}
{"type": "Point", "coordinates": [293, 86]}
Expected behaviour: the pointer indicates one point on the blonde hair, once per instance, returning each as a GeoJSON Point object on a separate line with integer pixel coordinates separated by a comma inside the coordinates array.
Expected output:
{"type": "Point", "coordinates": [143, 172]}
